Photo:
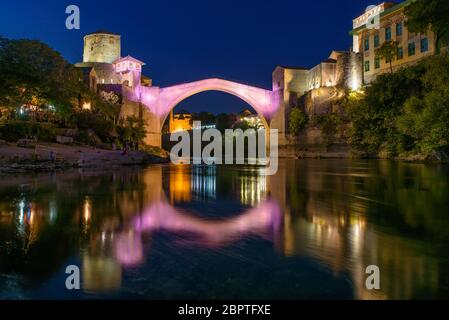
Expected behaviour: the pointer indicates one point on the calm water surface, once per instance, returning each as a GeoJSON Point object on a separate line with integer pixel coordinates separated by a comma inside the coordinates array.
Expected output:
{"type": "Point", "coordinates": [186, 232]}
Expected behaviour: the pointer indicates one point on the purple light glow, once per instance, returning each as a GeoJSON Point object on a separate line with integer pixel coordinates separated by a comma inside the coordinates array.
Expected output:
{"type": "Point", "coordinates": [264, 220]}
{"type": "Point", "coordinates": [161, 100]}
{"type": "Point", "coordinates": [161, 216]}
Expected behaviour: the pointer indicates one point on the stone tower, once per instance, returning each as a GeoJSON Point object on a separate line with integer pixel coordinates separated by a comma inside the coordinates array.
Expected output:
{"type": "Point", "coordinates": [102, 47]}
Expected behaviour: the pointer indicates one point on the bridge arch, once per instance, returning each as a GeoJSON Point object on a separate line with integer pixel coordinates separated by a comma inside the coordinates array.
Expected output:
{"type": "Point", "coordinates": [259, 99]}
{"type": "Point", "coordinates": [160, 101]}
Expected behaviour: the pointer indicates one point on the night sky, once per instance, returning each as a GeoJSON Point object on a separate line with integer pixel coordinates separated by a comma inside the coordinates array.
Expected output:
{"type": "Point", "coordinates": [187, 40]}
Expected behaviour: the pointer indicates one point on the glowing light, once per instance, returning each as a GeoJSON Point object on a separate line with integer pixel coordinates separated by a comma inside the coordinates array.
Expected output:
{"type": "Point", "coordinates": [87, 106]}
{"type": "Point", "coordinates": [355, 83]}
{"type": "Point", "coordinates": [21, 211]}
{"type": "Point", "coordinates": [162, 100]}
{"type": "Point", "coordinates": [129, 249]}
{"type": "Point", "coordinates": [87, 210]}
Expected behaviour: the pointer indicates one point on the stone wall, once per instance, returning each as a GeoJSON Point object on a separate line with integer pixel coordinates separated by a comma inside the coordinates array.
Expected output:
{"type": "Point", "coordinates": [101, 47]}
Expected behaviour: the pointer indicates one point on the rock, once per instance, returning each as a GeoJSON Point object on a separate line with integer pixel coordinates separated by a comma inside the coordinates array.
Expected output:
{"type": "Point", "coordinates": [26, 143]}
{"type": "Point", "coordinates": [3, 143]}
{"type": "Point", "coordinates": [64, 140]}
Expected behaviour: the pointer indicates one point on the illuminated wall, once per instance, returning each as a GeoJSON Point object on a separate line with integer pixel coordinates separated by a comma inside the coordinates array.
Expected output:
{"type": "Point", "coordinates": [102, 47]}
{"type": "Point", "coordinates": [391, 17]}
{"type": "Point", "coordinates": [180, 122]}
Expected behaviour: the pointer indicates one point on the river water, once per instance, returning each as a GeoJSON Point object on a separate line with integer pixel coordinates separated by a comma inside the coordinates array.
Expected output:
{"type": "Point", "coordinates": [228, 232]}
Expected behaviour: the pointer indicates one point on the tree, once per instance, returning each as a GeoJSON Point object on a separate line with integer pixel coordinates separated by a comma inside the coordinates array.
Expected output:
{"type": "Point", "coordinates": [297, 121]}
{"type": "Point", "coordinates": [429, 14]}
{"type": "Point", "coordinates": [223, 122]}
{"type": "Point", "coordinates": [373, 115]}
{"type": "Point", "coordinates": [425, 117]}
{"type": "Point", "coordinates": [206, 118]}
{"type": "Point", "coordinates": [33, 72]}
{"type": "Point", "coordinates": [389, 52]}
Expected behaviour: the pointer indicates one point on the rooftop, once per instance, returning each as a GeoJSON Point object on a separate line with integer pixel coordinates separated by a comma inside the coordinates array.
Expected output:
{"type": "Point", "coordinates": [103, 31]}
{"type": "Point", "coordinates": [129, 58]}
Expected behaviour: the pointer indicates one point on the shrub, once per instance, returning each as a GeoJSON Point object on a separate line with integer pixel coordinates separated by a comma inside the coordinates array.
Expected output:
{"type": "Point", "coordinates": [101, 126]}
{"type": "Point", "coordinates": [14, 130]}
{"type": "Point", "coordinates": [297, 121]}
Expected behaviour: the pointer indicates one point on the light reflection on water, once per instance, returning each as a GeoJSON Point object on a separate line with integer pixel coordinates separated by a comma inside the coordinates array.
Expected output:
{"type": "Point", "coordinates": [228, 232]}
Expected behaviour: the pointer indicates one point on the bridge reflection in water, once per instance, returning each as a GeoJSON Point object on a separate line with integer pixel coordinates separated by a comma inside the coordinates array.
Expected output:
{"type": "Point", "coordinates": [331, 213]}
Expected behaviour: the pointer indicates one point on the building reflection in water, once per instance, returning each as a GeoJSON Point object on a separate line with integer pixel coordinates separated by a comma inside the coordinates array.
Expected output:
{"type": "Point", "coordinates": [180, 184]}
{"type": "Point", "coordinates": [302, 211]}
{"type": "Point", "coordinates": [253, 189]}
{"type": "Point", "coordinates": [203, 182]}
{"type": "Point", "coordinates": [333, 229]}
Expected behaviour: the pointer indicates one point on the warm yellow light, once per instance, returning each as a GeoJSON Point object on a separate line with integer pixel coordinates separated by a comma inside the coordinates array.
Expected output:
{"type": "Point", "coordinates": [87, 210]}
{"type": "Point", "coordinates": [87, 106]}
{"type": "Point", "coordinates": [355, 83]}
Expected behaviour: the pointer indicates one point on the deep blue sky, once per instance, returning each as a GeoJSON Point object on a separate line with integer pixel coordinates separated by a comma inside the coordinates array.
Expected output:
{"type": "Point", "coordinates": [186, 40]}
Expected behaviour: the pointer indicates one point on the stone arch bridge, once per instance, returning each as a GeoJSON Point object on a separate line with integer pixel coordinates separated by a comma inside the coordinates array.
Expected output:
{"type": "Point", "coordinates": [156, 103]}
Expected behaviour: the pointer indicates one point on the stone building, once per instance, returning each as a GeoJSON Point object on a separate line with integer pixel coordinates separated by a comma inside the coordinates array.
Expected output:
{"type": "Point", "coordinates": [387, 22]}
{"type": "Point", "coordinates": [317, 88]}
{"type": "Point", "coordinates": [181, 121]}
{"type": "Point", "coordinates": [102, 47]}
{"type": "Point", "coordinates": [105, 70]}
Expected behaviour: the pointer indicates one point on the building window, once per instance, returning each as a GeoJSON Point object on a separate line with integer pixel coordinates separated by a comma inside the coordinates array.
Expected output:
{"type": "Point", "coordinates": [399, 29]}
{"type": "Point", "coordinates": [377, 63]}
{"type": "Point", "coordinates": [388, 34]}
{"type": "Point", "coordinates": [424, 45]}
{"type": "Point", "coordinates": [367, 66]}
{"type": "Point", "coordinates": [366, 44]}
{"type": "Point", "coordinates": [400, 53]}
{"type": "Point", "coordinates": [411, 49]}
{"type": "Point", "coordinates": [376, 40]}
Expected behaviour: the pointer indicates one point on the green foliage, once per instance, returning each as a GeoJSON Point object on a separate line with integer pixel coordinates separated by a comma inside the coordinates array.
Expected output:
{"type": "Point", "coordinates": [297, 121]}
{"type": "Point", "coordinates": [243, 125]}
{"type": "Point", "coordinates": [34, 73]}
{"type": "Point", "coordinates": [206, 118]}
{"type": "Point", "coordinates": [101, 126]}
{"type": "Point", "coordinates": [131, 130]}
{"type": "Point", "coordinates": [406, 111]}
{"type": "Point", "coordinates": [388, 51]}
{"type": "Point", "coordinates": [425, 118]}
{"type": "Point", "coordinates": [328, 124]}
{"type": "Point", "coordinates": [14, 130]}
{"type": "Point", "coordinates": [429, 14]}
{"type": "Point", "coordinates": [223, 122]}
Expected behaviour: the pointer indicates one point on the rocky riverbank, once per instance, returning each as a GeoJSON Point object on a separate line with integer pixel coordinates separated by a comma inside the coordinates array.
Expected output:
{"type": "Point", "coordinates": [51, 157]}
